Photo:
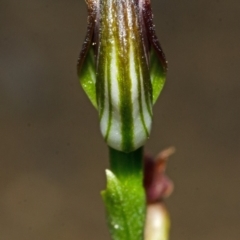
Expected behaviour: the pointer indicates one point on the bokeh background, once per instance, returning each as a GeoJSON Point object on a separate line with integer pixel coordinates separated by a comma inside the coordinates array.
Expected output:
{"type": "Point", "coordinates": [52, 156]}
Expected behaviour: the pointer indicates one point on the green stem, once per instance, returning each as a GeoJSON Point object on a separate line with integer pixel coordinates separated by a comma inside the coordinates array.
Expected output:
{"type": "Point", "coordinates": [125, 197]}
{"type": "Point", "coordinates": [127, 165]}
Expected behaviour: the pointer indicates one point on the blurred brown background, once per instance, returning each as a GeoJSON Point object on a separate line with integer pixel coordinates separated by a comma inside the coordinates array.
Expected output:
{"type": "Point", "coordinates": [52, 156]}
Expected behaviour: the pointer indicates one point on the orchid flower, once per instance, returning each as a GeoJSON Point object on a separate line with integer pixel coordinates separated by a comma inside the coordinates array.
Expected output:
{"type": "Point", "coordinates": [122, 69]}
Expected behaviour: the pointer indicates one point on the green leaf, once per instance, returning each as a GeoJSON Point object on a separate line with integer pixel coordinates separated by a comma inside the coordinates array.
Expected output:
{"type": "Point", "coordinates": [125, 217]}
{"type": "Point", "coordinates": [87, 76]}
{"type": "Point", "coordinates": [157, 73]}
{"type": "Point", "coordinates": [124, 196]}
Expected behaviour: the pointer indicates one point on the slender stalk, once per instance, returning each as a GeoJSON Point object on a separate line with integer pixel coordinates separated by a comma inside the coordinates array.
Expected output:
{"type": "Point", "coordinates": [127, 165]}
{"type": "Point", "coordinates": [125, 196]}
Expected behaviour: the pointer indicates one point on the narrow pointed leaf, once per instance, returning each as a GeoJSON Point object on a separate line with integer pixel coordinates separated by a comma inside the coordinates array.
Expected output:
{"type": "Point", "coordinates": [125, 209]}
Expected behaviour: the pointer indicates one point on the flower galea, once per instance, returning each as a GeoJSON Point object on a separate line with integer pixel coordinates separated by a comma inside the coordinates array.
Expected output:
{"type": "Point", "coordinates": [122, 69]}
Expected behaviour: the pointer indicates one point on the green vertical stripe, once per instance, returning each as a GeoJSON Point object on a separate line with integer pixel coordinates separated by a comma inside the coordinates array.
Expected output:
{"type": "Point", "coordinates": [147, 85]}
{"type": "Point", "coordinates": [125, 83]}
{"type": "Point", "coordinates": [109, 95]}
{"type": "Point", "coordinates": [140, 96]}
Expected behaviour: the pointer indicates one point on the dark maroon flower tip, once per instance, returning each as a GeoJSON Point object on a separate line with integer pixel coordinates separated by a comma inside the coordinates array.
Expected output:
{"type": "Point", "coordinates": [157, 185]}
